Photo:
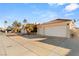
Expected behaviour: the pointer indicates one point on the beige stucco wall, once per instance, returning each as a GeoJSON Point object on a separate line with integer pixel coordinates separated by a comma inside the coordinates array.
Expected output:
{"type": "Point", "coordinates": [59, 31]}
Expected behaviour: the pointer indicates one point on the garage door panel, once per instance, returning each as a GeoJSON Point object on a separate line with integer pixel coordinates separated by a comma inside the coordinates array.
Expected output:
{"type": "Point", "coordinates": [56, 31]}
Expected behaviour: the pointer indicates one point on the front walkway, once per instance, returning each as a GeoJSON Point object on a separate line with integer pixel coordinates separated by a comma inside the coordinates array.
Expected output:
{"type": "Point", "coordinates": [21, 46]}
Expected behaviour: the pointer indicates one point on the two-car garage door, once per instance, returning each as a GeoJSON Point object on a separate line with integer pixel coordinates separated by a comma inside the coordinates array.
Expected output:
{"type": "Point", "coordinates": [59, 31]}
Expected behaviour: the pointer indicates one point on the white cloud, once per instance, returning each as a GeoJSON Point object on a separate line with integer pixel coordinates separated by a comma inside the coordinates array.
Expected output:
{"type": "Point", "coordinates": [51, 4]}
{"type": "Point", "coordinates": [56, 4]}
{"type": "Point", "coordinates": [60, 3]}
{"type": "Point", "coordinates": [71, 7]}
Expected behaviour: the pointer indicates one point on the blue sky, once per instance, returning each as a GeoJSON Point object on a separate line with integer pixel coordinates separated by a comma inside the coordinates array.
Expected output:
{"type": "Point", "coordinates": [37, 12]}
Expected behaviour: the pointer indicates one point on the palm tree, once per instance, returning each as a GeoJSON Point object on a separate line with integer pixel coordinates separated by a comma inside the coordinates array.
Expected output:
{"type": "Point", "coordinates": [5, 22]}
{"type": "Point", "coordinates": [5, 26]}
{"type": "Point", "coordinates": [24, 26]}
{"type": "Point", "coordinates": [25, 21]}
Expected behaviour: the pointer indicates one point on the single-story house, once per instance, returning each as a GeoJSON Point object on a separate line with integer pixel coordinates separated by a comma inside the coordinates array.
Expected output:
{"type": "Point", "coordinates": [58, 28]}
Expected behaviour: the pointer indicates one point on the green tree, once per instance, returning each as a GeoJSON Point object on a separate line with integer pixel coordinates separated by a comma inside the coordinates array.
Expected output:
{"type": "Point", "coordinates": [9, 28]}
{"type": "Point", "coordinates": [30, 28]}
{"type": "Point", "coordinates": [16, 26]}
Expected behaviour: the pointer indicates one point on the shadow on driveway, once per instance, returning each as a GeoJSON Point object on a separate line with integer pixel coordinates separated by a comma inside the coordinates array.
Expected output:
{"type": "Point", "coordinates": [72, 43]}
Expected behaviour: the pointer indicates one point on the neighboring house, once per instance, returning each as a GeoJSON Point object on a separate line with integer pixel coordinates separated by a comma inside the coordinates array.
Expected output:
{"type": "Point", "coordinates": [58, 28]}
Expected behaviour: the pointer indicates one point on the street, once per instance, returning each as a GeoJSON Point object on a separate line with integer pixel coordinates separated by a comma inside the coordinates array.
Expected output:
{"type": "Point", "coordinates": [25, 46]}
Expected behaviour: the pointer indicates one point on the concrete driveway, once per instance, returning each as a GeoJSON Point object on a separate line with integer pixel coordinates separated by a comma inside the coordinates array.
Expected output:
{"type": "Point", "coordinates": [33, 45]}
